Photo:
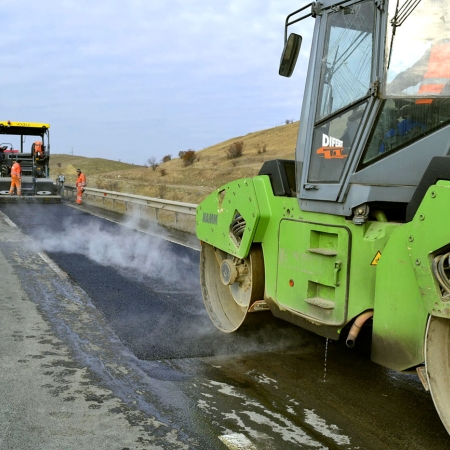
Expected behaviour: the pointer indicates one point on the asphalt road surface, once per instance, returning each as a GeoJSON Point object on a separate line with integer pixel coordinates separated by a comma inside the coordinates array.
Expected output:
{"type": "Point", "coordinates": [125, 308]}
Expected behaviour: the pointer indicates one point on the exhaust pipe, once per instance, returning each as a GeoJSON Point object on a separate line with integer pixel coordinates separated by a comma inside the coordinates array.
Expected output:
{"type": "Point", "coordinates": [356, 327]}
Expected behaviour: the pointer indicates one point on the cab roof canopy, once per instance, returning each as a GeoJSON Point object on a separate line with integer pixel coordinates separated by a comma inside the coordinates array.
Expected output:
{"type": "Point", "coordinates": [23, 128]}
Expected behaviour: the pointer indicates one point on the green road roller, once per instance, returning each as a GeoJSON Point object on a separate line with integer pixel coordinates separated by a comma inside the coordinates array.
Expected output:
{"type": "Point", "coordinates": [355, 232]}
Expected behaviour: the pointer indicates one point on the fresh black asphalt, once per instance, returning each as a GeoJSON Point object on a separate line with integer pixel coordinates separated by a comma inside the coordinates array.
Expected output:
{"type": "Point", "coordinates": [146, 287]}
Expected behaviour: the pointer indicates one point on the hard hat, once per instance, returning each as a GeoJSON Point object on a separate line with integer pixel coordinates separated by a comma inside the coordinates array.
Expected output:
{"type": "Point", "coordinates": [78, 170]}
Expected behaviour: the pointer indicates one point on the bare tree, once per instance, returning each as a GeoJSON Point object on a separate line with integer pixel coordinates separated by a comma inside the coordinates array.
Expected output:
{"type": "Point", "coordinates": [152, 163]}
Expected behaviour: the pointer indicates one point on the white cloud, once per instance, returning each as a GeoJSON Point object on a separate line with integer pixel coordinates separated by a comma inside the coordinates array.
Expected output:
{"type": "Point", "coordinates": [109, 74]}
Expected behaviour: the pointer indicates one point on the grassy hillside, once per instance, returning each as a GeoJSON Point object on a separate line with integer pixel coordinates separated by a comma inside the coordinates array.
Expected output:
{"type": "Point", "coordinates": [171, 180]}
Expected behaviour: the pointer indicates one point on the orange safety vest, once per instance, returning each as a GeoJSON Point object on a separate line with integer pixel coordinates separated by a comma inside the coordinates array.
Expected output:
{"type": "Point", "coordinates": [15, 170]}
{"type": "Point", "coordinates": [437, 74]}
{"type": "Point", "coordinates": [38, 148]}
{"type": "Point", "coordinates": [81, 180]}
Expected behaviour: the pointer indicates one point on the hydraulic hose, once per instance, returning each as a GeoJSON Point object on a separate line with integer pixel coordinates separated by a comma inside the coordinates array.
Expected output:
{"type": "Point", "coordinates": [440, 264]}
{"type": "Point", "coordinates": [356, 327]}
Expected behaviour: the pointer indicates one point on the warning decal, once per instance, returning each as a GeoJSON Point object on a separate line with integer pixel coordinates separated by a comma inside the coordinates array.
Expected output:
{"type": "Point", "coordinates": [376, 259]}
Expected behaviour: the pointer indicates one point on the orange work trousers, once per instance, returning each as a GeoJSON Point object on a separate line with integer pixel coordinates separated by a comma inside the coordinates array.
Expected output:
{"type": "Point", "coordinates": [15, 183]}
{"type": "Point", "coordinates": [79, 194]}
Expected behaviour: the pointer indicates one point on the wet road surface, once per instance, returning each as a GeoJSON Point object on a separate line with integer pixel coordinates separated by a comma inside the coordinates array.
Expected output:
{"type": "Point", "coordinates": [142, 331]}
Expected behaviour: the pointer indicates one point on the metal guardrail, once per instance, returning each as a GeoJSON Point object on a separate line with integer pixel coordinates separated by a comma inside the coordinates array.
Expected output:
{"type": "Point", "coordinates": [169, 213]}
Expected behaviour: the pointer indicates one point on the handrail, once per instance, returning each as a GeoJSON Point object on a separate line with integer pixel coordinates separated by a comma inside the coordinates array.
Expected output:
{"type": "Point", "coordinates": [169, 213]}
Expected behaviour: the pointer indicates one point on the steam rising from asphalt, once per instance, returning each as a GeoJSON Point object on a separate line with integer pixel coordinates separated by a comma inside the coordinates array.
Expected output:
{"type": "Point", "coordinates": [118, 246]}
{"type": "Point", "coordinates": [169, 272]}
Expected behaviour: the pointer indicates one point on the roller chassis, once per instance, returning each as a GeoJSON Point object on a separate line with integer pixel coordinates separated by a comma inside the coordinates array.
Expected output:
{"type": "Point", "coordinates": [338, 261]}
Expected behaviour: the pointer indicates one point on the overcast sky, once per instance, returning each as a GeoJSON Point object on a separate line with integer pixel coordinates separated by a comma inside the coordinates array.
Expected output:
{"type": "Point", "coordinates": [133, 79]}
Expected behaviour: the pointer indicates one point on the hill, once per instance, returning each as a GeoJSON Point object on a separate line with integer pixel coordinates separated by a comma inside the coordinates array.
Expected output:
{"type": "Point", "coordinates": [171, 180]}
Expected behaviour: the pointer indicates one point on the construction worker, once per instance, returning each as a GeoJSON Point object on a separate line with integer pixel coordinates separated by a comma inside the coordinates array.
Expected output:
{"type": "Point", "coordinates": [423, 89]}
{"type": "Point", "coordinates": [431, 72]}
{"type": "Point", "coordinates": [16, 178]}
{"type": "Point", "coordinates": [38, 150]}
{"type": "Point", "coordinates": [80, 185]}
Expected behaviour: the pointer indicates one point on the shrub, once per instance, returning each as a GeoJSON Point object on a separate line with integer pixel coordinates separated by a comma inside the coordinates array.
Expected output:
{"type": "Point", "coordinates": [167, 158]}
{"type": "Point", "coordinates": [163, 172]}
{"type": "Point", "coordinates": [188, 157]}
{"type": "Point", "coordinates": [235, 150]}
{"type": "Point", "coordinates": [162, 189]}
{"type": "Point", "coordinates": [261, 147]}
